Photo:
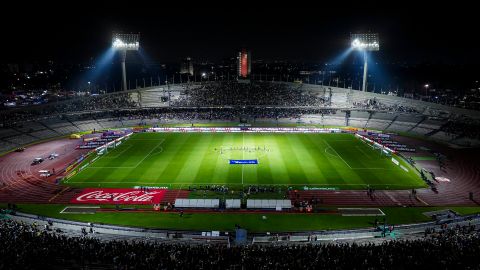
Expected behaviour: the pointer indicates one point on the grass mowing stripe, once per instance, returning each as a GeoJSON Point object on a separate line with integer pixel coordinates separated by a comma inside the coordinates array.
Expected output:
{"type": "Point", "coordinates": [277, 163]}
{"type": "Point", "coordinates": [330, 170]}
{"type": "Point", "coordinates": [263, 170]}
{"type": "Point", "coordinates": [284, 159]}
{"type": "Point", "coordinates": [192, 164]}
{"type": "Point", "coordinates": [295, 165]}
{"type": "Point", "coordinates": [221, 168]}
{"type": "Point", "coordinates": [316, 158]}
{"type": "Point", "coordinates": [250, 174]}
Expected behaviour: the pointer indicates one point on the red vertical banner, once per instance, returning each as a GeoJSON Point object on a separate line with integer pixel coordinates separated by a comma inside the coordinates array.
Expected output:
{"type": "Point", "coordinates": [244, 64]}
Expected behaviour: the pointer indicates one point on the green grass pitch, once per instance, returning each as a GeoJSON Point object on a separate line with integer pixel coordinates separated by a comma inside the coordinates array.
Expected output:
{"type": "Point", "coordinates": [338, 161]}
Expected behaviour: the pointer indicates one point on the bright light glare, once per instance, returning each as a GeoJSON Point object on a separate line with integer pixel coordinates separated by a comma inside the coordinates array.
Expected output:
{"type": "Point", "coordinates": [357, 44]}
{"type": "Point", "coordinates": [119, 44]}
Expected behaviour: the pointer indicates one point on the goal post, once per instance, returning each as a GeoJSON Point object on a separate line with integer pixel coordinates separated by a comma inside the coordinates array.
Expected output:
{"type": "Point", "coordinates": [112, 144]}
{"type": "Point", "coordinates": [384, 150]}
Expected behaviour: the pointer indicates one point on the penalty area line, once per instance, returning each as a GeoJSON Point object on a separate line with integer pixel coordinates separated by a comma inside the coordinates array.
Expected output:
{"type": "Point", "coordinates": [337, 154]}
{"type": "Point", "coordinates": [161, 142]}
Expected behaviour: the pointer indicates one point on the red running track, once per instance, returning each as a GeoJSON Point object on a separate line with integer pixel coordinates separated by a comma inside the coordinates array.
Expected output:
{"type": "Point", "coordinates": [462, 168]}
{"type": "Point", "coordinates": [21, 183]}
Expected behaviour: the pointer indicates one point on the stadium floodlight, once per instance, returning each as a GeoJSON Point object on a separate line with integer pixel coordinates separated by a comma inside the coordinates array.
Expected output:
{"type": "Point", "coordinates": [365, 42]}
{"type": "Point", "coordinates": [124, 43]}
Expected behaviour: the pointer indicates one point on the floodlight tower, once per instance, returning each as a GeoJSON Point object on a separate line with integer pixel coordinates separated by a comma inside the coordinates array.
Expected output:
{"type": "Point", "coordinates": [365, 43]}
{"type": "Point", "coordinates": [124, 43]}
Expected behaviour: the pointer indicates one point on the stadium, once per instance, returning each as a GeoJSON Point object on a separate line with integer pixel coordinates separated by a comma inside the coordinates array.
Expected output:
{"type": "Point", "coordinates": [237, 173]}
{"type": "Point", "coordinates": [320, 160]}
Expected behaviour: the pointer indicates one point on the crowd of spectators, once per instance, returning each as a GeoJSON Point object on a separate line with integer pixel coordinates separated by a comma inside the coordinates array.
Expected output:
{"type": "Point", "coordinates": [211, 94]}
{"type": "Point", "coordinates": [248, 94]}
{"type": "Point", "coordinates": [33, 247]}
{"type": "Point", "coordinates": [466, 128]}
{"type": "Point", "coordinates": [374, 104]}
{"type": "Point", "coordinates": [467, 100]}
{"type": "Point", "coordinates": [226, 101]}
{"type": "Point", "coordinates": [92, 103]}
{"type": "Point", "coordinates": [163, 114]}
{"type": "Point", "coordinates": [229, 114]}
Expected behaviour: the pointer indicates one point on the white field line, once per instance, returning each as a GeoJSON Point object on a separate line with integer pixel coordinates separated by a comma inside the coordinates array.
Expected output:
{"type": "Point", "coordinates": [337, 154]}
{"type": "Point", "coordinates": [128, 167]}
{"type": "Point", "coordinates": [160, 143]}
{"type": "Point", "coordinates": [158, 152]}
{"type": "Point", "coordinates": [79, 207]}
{"type": "Point", "coordinates": [360, 149]}
{"type": "Point", "coordinates": [120, 153]}
{"type": "Point", "coordinates": [364, 168]}
{"type": "Point", "coordinates": [224, 183]}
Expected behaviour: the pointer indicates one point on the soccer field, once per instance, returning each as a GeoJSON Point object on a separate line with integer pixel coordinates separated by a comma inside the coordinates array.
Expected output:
{"type": "Point", "coordinates": [338, 161]}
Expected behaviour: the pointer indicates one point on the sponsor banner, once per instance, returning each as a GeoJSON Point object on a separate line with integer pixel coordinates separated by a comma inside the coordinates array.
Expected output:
{"type": "Point", "coordinates": [111, 137]}
{"type": "Point", "coordinates": [375, 143]}
{"type": "Point", "coordinates": [90, 139]}
{"type": "Point", "coordinates": [386, 142]}
{"type": "Point", "coordinates": [402, 149]}
{"type": "Point", "coordinates": [395, 161]}
{"type": "Point", "coordinates": [442, 179]}
{"type": "Point", "coordinates": [71, 174]}
{"type": "Point", "coordinates": [95, 143]}
{"type": "Point", "coordinates": [86, 147]}
{"type": "Point", "coordinates": [103, 140]}
{"type": "Point", "coordinates": [249, 130]}
{"type": "Point", "coordinates": [319, 188]}
{"type": "Point", "coordinates": [147, 187]}
{"type": "Point", "coordinates": [396, 145]}
{"type": "Point", "coordinates": [119, 196]}
{"type": "Point", "coordinates": [83, 167]}
{"type": "Point", "coordinates": [243, 161]}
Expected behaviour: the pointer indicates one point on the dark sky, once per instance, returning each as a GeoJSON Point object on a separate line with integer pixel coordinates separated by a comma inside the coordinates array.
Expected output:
{"type": "Point", "coordinates": [293, 30]}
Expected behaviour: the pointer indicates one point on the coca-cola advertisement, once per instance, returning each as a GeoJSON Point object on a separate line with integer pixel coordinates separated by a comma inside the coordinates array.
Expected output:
{"type": "Point", "coordinates": [119, 196]}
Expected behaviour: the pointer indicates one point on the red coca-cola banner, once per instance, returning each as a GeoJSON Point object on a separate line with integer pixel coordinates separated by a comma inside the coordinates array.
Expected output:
{"type": "Point", "coordinates": [119, 196]}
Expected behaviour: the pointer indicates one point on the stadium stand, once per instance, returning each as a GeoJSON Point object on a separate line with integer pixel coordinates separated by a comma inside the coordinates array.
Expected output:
{"type": "Point", "coordinates": [231, 101]}
{"type": "Point", "coordinates": [448, 248]}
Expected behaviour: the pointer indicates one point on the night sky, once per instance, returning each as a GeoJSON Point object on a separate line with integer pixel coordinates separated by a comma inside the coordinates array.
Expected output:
{"type": "Point", "coordinates": [295, 31]}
